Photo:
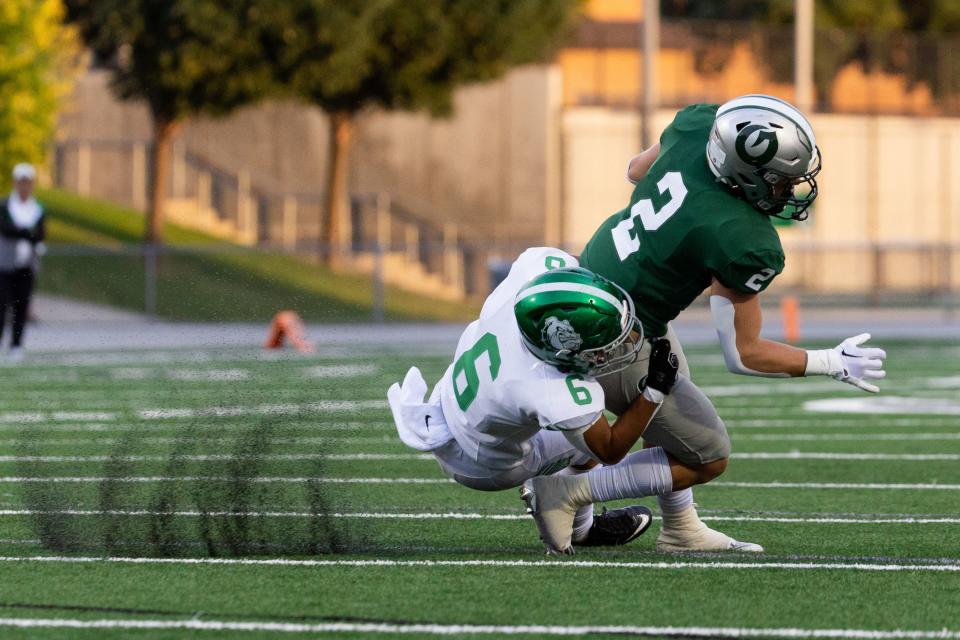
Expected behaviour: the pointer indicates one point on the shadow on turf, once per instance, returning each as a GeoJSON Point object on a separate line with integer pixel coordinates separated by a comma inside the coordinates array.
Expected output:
{"type": "Point", "coordinates": [229, 509]}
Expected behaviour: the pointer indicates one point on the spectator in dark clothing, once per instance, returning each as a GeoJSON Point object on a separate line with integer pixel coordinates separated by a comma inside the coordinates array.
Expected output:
{"type": "Point", "coordinates": [22, 231]}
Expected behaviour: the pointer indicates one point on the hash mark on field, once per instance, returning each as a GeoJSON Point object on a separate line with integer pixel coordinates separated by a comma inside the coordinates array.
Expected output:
{"type": "Point", "coordinates": [342, 370]}
{"type": "Point", "coordinates": [474, 629]}
{"type": "Point", "coordinates": [578, 564]}
{"type": "Point", "coordinates": [263, 409]}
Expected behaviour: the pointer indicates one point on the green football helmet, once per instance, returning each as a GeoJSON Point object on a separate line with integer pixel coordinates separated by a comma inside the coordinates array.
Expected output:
{"type": "Point", "coordinates": [578, 321]}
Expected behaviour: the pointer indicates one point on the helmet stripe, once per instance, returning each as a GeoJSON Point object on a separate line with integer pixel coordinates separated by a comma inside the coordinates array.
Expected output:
{"type": "Point", "coordinates": [770, 103]}
{"type": "Point", "coordinates": [574, 288]}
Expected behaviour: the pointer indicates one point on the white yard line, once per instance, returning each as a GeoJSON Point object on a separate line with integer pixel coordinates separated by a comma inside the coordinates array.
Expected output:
{"type": "Point", "coordinates": [219, 457]}
{"type": "Point", "coordinates": [363, 480]}
{"type": "Point", "coordinates": [153, 426]}
{"type": "Point", "coordinates": [456, 516]}
{"type": "Point", "coordinates": [381, 457]}
{"type": "Point", "coordinates": [811, 422]}
{"type": "Point", "coordinates": [472, 629]}
{"type": "Point", "coordinates": [577, 564]}
{"type": "Point", "coordinates": [262, 480]}
{"type": "Point", "coordinates": [825, 437]}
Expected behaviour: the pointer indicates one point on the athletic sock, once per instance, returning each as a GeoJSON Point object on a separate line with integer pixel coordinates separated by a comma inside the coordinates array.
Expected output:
{"type": "Point", "coordinates": [642, 473]}
{"type": "Point", "coordinates": [583, 520]}
{"type": "Point", "coordinates": [675, 501]}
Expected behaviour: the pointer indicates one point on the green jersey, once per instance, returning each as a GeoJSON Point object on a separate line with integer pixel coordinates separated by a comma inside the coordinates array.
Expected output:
{"type": "Point", "coordinates": [681, 229]}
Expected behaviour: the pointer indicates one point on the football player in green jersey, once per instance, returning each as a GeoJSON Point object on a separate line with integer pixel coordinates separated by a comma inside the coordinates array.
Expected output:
{"type": "Point", "coordinates": [699, 218]}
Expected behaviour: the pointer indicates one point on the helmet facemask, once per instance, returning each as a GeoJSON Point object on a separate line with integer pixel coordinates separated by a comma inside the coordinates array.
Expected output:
{"type": "Point", "coordinates": [766, 201]}
{"type": "Point", "coordinates": [613, 357]}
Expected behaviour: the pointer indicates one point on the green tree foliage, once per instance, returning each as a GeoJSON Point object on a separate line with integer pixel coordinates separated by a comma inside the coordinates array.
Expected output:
{"type": "Point", "coordinates": [895, 36]}
{"type": "Point", "coordinates": [183, 58]}
{"type": "Point", "coordinates": [38, 59]}
{"type": "Point", "coordinates": [401, 54]}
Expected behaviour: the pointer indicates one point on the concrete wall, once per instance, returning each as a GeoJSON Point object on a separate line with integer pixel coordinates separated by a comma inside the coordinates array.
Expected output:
{"type": "Point", "coordinates": [491, 169]}
{"type": "Point", "coordinates": [886, 180]}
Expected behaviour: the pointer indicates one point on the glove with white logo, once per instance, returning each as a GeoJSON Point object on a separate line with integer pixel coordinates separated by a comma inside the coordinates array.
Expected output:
{"type": "Point", "coordinates": [662, 373]}
{"type": "Point", "coordinates": [849, 362]}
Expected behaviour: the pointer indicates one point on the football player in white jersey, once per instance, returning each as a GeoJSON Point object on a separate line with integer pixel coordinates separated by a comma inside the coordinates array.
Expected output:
{"type": "Point", "coordinates": [521, 400]}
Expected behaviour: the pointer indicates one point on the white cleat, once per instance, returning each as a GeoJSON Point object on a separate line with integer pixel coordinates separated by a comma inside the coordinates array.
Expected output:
{"type": "Point", "coordinates": [685, 532]}
{"type": "Point", "coordinates": [16, 355]}
{"type": "Point", "coordinates": [553, 502]}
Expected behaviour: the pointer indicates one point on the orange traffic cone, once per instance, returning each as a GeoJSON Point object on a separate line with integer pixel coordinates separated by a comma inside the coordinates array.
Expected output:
{"type": "Point", "coordinates": [790, 310]}
{"type": "Point", "coordinates": [287, 325]}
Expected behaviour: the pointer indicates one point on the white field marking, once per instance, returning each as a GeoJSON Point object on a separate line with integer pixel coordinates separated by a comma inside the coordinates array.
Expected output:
{"type": "Point", "coordinates": [812, 422]}
{"type": "Point", "coordinates": [32, 429]}
{"type": "Point", "coordinates": [381, 457]}
{"type": "Point", "coordinates": [220, 457]}
{"type": "Point", "coordinates": [457, 516]}
{"type": "Point", "coordinates": [816, 437]}
{"type": "Point", "coordinates": [761, 389]}
{"type": "Point", "coordinates": [837, 485]}
{"type": "Point", "coordinates": [191, 375]}
{"type": "Point", "coordinates": [207, 375]}
{"type": "Point", "coordinates": [801, 455]}
{"type": "Point", "coordinates": [885, 404]}
{"type": "Point", "coordinates": [949, 382]}
{"type": "Point", "coordinates": [260, 480]}
{"type": "Point", "coordinates": [339, 480]}
{"type": "Point", "coordinates": [341, 370]}
{"type": "Point", "coordinates": [473, 629]}
{"type": "Point", "coordinates": [263, 409]}
{"type": "Point", "coordinates": [57, 416]}
{"type": "Point", "coordinates": [166, 440]}
{"type": "Point", "coordinates": [576, 564]}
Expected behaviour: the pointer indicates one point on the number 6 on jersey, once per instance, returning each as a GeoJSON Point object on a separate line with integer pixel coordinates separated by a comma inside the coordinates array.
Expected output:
{"type": "Point", "coordinates": [625, 239]}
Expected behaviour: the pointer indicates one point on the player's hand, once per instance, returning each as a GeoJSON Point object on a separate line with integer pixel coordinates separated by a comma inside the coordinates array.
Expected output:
{"type": "Point", "coordinates": [860, 364]}
{"type": "Point", "coordinates": [662, 373]}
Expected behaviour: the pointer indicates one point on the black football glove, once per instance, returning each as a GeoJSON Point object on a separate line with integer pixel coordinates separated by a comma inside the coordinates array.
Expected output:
{"type": "Point", "coordinates": [662, 373]}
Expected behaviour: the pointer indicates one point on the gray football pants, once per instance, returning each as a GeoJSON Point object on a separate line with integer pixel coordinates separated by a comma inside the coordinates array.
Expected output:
{"type": "Point", "coordinates": [687, 425]}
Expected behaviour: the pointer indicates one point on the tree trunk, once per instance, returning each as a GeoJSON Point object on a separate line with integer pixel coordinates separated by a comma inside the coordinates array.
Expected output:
{"type": "Point", "coordinates": [336, 210]}
{"type": "Point", "coordinates": [163, 131]}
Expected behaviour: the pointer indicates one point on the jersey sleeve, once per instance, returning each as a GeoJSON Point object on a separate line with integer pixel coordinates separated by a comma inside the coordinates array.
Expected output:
{"type": "Point", "coordinates": [747, 254]}
{"type": "Point", "coordinates": [751, 272]}
{"type": "Point", "coordinates": [567, 402]}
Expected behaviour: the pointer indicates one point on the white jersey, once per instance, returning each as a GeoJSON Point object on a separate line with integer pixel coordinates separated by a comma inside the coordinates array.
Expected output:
{"type": "Point", "coordinates": [497, 395]}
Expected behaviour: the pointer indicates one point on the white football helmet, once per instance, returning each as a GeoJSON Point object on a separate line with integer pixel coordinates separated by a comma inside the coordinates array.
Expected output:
{"type": "Point", "coordinates": [764, 149]}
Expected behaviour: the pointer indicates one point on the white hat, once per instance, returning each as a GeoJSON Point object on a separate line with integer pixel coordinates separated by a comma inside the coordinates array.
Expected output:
{"type": "Point", "coordinates": [24, 171]}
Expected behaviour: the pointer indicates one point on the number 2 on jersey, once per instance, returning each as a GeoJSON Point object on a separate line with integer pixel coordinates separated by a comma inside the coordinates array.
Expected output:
{"type": "Point", "coordinates": [625, 238]}
{"type": "Point", "coordinates": [465, 368]}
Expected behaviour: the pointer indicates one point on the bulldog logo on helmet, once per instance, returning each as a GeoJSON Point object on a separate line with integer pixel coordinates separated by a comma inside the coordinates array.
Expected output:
{"type": "Point", "coordinates": [560, 335]}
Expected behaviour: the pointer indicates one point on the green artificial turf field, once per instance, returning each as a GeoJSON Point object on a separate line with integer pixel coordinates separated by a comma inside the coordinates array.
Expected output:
{"type": "Point", "coordinates": [227, 493]}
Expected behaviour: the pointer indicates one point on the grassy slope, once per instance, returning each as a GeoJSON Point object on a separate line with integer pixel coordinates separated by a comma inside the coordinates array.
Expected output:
{"type": "Point", "coordinates": [225, 282]}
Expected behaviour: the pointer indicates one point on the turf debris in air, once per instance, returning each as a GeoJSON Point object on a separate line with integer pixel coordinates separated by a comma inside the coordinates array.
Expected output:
{"type": "Point", "coordinates": [189, 507]}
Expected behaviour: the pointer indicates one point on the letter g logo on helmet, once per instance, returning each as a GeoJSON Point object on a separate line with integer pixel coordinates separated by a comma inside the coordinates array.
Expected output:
{"type": "Point", "coordinates": [757, 154]}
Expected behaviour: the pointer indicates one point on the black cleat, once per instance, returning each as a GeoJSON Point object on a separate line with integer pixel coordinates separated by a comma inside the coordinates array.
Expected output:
{"type": "Point", "coordinates": [617, 527]}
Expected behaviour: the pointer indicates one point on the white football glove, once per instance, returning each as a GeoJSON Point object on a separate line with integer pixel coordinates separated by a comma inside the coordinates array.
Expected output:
{"type": "Point", "coordinates": [849, 362]}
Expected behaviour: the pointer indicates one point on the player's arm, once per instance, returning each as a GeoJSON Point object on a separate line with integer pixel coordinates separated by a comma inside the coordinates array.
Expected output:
{"type": "Point", "coordinates": [738, 319]}
{"type": "Point", "coordinates": [641, 163]}
{"type": "Point", "coordinates": [609, 443]}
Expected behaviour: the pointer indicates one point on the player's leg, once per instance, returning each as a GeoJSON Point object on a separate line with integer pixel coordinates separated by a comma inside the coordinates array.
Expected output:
{"type": "Point", "coordinates": [22, 291]}
{"type": "Point", "coordinates": [553, 455]}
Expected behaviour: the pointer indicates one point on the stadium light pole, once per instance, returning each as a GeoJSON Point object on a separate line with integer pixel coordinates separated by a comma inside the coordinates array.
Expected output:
{"type": "Point", "coordinates": [651, 47]}
{"type": "Point", "coordinates": [803, 54]}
